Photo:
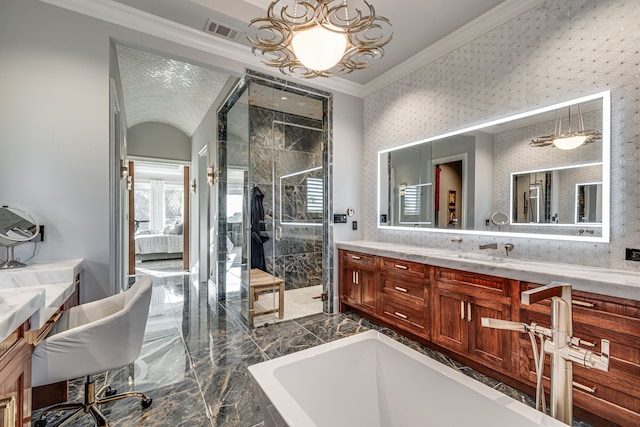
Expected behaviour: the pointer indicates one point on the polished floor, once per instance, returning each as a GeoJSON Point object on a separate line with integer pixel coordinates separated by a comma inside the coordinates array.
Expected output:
{"type": "Point", "coordinates": [194, 360]}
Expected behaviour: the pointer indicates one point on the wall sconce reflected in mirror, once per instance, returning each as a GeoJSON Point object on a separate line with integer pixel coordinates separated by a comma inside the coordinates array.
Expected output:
{"type": "Point", "coordinates": [192, 186]}
{"type": "Point", "coordinates": [211, 175]}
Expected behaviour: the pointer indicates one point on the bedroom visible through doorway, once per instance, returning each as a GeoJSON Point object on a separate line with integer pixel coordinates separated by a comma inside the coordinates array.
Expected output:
{"type": "Point", "coordinates": [158, 215]}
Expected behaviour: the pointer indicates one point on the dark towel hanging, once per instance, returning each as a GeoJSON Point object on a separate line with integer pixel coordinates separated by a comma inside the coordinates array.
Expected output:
{"type": "Point", "coordinates": [258, 230]}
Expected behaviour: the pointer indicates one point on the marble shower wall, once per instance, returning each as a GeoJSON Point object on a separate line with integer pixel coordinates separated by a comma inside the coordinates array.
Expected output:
{"type": "Point", "coordinates": [559, 50]}
{"type": "Point", "coordinates": [285, 145]}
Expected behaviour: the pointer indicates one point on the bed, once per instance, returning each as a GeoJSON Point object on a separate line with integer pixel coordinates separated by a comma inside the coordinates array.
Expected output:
{"type": "Point", "coordinates": [158, 246]}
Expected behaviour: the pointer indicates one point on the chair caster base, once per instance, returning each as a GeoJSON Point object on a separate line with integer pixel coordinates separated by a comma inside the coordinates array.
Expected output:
{"type": "Point", "coordinates": [146, 402]}
{"type": "Point", "coordinates": [110, 391]}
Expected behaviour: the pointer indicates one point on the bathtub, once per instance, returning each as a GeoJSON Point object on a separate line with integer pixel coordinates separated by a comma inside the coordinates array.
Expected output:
{"type": "Point", "coordinates": [371, 380]}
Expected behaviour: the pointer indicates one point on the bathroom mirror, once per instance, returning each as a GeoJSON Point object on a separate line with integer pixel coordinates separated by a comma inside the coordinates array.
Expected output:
{"type": "Point", "coordinates": [515, 165]}
{"type": "Point", "coordinates": [549, 196]}
{"type": "Point", "coordinates": [589, 203]}
{"type": "Point", "coordinates": [16, 226]}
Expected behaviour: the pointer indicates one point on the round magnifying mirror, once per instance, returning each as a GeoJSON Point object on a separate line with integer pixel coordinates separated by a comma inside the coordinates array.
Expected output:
{"type": "Point", "coordinates": [498, 218]}
{"type": "Point", "coordinates": [16, 227]}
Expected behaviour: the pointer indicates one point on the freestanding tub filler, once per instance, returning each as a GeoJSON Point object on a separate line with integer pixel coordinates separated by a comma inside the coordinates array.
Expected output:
{"type": "Point", "coordinates": [371, 380]}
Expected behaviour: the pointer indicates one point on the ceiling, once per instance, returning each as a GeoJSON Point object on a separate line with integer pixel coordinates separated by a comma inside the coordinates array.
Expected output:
{"type": "Point", "coordinates": [416, 24]}
{"type": "Point", "coordinates": [177, 93]}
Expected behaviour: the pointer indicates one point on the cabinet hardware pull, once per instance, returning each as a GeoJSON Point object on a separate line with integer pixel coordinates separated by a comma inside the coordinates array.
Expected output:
{"type": "Point", "coordinates": [353, 277]}
{"type": "Point", "coordinates": [584, 387]}
{"type": "Point", "coordinates": [401, 267]}
{"type": "Point", "coordinates": [582, 303]}
{"type": "Point", "coordinates": [462, 310]}
{"type": "Point", "coordinates": [355, 257]}
{"type": "Point", "coordinates": [401, 315]}
{"type": "Point", "coordinates": [469, 312]}
{"type": "Point", "coordinates": [398, 288]}
{"type": "Point", "coordinates": [357, 277]}
{"type": "Point", "coordinates": [580, 341]}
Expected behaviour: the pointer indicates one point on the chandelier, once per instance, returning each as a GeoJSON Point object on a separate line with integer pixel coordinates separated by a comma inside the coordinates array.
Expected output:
{"type": "Point", "coordinates": [309, 37]}
{"type": "Point", "coordinates": [570, 139]}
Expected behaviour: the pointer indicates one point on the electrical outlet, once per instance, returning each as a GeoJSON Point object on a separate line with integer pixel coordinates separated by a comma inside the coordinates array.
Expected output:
{"type": "Point", "coordinates": [354, 225]}
{"type": "Point", "coordinates": [632, 254]}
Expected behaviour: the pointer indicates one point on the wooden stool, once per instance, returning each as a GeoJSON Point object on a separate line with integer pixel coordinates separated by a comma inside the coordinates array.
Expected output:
{"type": "Point", "coordinates": [261, 281]}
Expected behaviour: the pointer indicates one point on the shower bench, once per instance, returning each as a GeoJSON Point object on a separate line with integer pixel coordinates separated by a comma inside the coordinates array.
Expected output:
{"type": "Point", "coordinates": [261, 281]}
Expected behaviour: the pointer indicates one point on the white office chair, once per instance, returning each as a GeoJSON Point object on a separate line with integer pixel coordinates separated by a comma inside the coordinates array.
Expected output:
{"type": "Point", "coordinates": [93, 338]}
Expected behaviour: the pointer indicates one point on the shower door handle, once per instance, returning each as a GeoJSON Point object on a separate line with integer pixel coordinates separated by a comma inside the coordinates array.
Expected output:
{"type": "Point", "coordinates": [278, 233]}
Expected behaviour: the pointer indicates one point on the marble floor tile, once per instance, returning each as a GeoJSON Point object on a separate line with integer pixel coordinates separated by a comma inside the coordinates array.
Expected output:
{"type": "Point", "coordinates": [283, 338]}
{"type": "Point", "coordinates": [195, 355]}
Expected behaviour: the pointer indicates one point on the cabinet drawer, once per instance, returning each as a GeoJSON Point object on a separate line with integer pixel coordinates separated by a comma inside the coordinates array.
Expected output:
{"type": "Point", "coordinates": [412, 290]}
{"type": "Point", "coordinates": [473, 280]}
{"type": "Point", "coordinates": [402, 268]}
{"type": "Point", "coordinates": [359, 259]}
{"type": "Point", "coordinates": [411, 318]}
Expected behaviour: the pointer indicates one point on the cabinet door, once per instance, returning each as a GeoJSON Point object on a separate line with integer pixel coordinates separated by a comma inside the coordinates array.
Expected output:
{"type": "Point", "coordinates": [349, 291]}
{"type": "Point", "coordinates": [450, 329]}
{"type": "Point", "coordinates": [490, 346]}
{"type": "Point", "coordinates": [368, 289]}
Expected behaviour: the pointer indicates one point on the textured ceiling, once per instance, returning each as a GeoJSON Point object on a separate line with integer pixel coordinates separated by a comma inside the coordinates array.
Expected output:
{"type": "Point", "coordinates": [159, 89]}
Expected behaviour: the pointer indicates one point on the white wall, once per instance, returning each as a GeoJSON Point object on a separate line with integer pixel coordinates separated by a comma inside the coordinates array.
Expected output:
{"type": "Point", "coordinates": [557, 51]}
{"type": "Point", "coordinates": [54, 128]}
{"type": "Point", "coordinates": [348, 129]}
{"type": "Point", "coordinates": [159, 141]}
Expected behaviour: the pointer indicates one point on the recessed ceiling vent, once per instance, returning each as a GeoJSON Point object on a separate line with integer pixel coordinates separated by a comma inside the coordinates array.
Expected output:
{"type": "Point", "coordinates": [220, 30]}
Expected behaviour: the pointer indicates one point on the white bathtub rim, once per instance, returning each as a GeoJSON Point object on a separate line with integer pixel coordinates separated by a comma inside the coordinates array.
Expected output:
{"type": "Point", "coordinates": [295, 416]}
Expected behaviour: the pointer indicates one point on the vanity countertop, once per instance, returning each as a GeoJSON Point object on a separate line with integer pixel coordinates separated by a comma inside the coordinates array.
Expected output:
{"type": "Point", "coordinates": [604, 281]}
{"type": "Point", "coordinates": [36, 292]}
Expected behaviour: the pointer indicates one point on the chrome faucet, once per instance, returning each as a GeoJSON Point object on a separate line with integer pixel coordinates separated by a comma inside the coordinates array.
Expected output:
{"type": "Point", "coordinates": [561, 346]}
{"type": "Point", "coordinates": [489, 246]}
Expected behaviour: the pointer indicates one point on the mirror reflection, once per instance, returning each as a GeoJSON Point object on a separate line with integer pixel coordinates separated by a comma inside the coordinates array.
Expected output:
{"type": "Point", "coordinates": [547, 170]}
{"type": "Point", "coordinates": [549, 196]}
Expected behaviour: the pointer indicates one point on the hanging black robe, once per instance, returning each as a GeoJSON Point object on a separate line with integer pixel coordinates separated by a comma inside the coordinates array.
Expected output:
{"type": "Point", "coordinates": [258, 230]}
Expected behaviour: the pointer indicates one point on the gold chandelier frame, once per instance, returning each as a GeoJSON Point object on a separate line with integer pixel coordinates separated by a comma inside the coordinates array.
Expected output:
{"type": "Point", "coordinates": [364, 33]}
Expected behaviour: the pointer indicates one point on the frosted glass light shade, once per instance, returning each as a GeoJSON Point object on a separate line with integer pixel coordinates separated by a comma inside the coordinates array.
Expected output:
{"type": "Point", "coordinates": [318, 48]}
{"type": "Point", "coordinates": [569, 143]}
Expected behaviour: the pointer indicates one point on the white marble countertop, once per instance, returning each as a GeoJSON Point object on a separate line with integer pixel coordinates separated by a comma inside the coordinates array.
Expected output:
{"type": "Point", "coordinates": [618, 283]}
{"type": "Point", "coordinates": [49, 284]}
{"type": "Point", "coordinates": [16, 306]}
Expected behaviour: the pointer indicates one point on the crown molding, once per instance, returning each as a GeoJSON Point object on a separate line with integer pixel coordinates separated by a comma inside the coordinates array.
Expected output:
{"type": "Point", "coordinates": [499, 15]}
{"type": "Point", "coordinates": [140, 21]}
{"type": "Point", "coordinates": [137, 20]}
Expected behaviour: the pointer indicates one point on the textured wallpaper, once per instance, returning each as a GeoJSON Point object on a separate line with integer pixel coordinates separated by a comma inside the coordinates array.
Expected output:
{"type": "Point", "coordinates": [560, 50]}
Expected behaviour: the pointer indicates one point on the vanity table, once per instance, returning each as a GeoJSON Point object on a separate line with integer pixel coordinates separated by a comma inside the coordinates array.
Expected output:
{"type": "Point", "coordinates": [32, 299]}
{"type": "Point", "coordinates": [438, 296]}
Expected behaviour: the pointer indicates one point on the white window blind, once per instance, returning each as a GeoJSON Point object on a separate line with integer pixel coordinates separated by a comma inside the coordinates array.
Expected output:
{"type": "Point", "coordinates": [314, 195]}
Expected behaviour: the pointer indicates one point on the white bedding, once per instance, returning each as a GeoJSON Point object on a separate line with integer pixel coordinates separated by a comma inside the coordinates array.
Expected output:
{"type": "Point", "coordinates": [158, 243]}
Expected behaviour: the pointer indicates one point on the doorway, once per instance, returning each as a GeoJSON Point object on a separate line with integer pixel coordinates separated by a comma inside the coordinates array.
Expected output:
{"type": "Point", "coordinates": [451, 194]}
{"type": "Point", "coordinates": [159, 198]}
{"type": "Point", "coordinates": [273, 201]}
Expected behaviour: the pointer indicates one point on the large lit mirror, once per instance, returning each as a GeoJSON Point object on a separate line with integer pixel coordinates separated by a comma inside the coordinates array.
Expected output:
{"type": "Point", "coordinates": [546, 172]}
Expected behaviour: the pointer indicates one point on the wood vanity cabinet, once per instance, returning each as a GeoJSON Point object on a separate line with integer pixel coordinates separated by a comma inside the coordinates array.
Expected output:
{"type": "Point", "coordinates": [404, 295]}
{"type": "Point", "coordinates": [358, 281]}
{"type": "Point", "coordinates": [15, 379]}
{"type": "Point", "coordinates": [460, 299]}
{"type": "Point", "coordinates": [614, 393]}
